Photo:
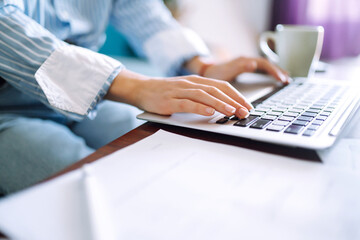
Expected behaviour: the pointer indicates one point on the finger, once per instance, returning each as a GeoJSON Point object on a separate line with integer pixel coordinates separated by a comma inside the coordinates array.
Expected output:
{"type": "Point", "coordinates": [188, 106]}
{"type": "Point", "coordinates": [241, 112]}
{"type": "Point", "coordinates": [201, 96]}
{"type": "Point", "coordinates": [239, 66]}
{"type": "Point", "coordinates": [276, 72]}
{"type": "Point", "coordinates": [243, 64]}
{"type": "Point", "coordinates": [225, 87]}
{"type": "Point", "coordinates": [214, 92]}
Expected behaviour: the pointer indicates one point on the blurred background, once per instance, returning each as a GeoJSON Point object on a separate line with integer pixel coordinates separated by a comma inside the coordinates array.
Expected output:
{"type": "Point", "coordinates": [232, 27]}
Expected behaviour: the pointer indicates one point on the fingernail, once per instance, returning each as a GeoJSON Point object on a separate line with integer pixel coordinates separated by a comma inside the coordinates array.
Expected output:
{"type": "Point", "coordinates": [244, 113]}
{"type": "Point", "coordinates": [251, 66]}
{"type": "Point", "coordinates": [210, 110]}
{"type": "Point", "coordinates": [230, 109]}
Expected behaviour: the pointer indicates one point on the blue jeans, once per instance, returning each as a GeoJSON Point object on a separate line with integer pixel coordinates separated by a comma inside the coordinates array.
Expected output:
{"type": "Point", "coordinates": [36, 142]}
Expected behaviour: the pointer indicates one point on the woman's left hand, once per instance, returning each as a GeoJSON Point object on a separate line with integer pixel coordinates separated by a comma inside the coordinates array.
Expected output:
{"type": "Point", "coordinates": [229, 70]}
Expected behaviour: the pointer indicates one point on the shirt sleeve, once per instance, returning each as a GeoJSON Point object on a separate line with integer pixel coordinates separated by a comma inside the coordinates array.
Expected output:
{"type": "Point", "coordinates": [69, 79]}
{"type": "Point", "coordinates": [154, 33]}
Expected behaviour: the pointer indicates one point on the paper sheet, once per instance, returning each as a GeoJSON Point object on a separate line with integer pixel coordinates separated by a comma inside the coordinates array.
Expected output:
{"type": "Point", "coordinates": [345, 153]}
{"type": "Point", "coordinates": [173, 187]}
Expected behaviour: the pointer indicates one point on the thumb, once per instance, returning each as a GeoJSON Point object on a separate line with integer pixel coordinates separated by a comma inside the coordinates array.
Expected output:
{"type": "Point", "coordinates": [242, 65]}
{"type": "Point", "coordinates": [249, 66]}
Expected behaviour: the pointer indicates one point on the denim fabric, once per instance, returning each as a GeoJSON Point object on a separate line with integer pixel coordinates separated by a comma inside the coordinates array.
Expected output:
{"type": "Point", "coordinates": [33, 149]}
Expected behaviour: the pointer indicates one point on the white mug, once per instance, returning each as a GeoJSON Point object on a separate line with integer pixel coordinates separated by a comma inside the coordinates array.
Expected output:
{"type": "Point", "coordinates": [298, 48]}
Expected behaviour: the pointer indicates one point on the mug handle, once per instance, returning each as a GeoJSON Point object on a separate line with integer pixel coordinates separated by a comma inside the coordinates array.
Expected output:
{"type": "Point", "coordinates": [264, 47]}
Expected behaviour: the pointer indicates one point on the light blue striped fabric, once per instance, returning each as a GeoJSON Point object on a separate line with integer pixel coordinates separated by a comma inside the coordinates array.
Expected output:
{"type": "Point", "coordinates": [30, 30]}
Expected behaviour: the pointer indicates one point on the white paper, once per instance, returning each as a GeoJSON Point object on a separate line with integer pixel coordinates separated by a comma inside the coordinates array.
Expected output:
{"type": "Point", "coordinates": [345, 153]}
{"type": "Point", "coordinates": [172, 187]}
{"type": "Point", "coordinates": [53, 210]}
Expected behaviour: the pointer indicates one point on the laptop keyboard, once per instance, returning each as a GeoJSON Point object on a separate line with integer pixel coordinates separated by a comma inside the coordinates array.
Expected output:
{"type": "Point", "coordinates": [298, 108]}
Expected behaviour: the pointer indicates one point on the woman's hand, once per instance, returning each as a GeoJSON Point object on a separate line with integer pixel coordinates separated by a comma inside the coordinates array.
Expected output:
{"type": "Point", "coordinates": [166, 96]}
{"type": "Point", "coordinates": [229, 70]}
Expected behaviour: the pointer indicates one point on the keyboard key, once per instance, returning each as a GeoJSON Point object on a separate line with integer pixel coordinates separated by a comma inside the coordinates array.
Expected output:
{"type": "Point", "coordinates": [246, 122]}
{"type": "Point", "coordinates": [317, 122]}
{"type": "Point", "coordinates": [262, 110]}
{"type": "Point", "coordinates": [279, 109]}
{"type": "Point", "coordinates": [318, 106]}
{"type": "Point", "coordinates": [269, 117]}
{"type": "Point", "coordinates": [300, 122]}
{"type": "Point", "coordinates": [290, 114]}
{"type": "Point", "coordinates": [295, 111]}
{"type": "Point", "coordinates": [234, 118]}
{"type": "Point", "coordinates": [313, 127]}
{"type": "Point", "coordinates": [297, 108]}
{"type": "Point", "coordinates": [309, 132]}
{"type": "Point", "coordinates": [264, 106]}
{"type": "Point", "coordinates": [325, 114]}
{"type": "Point", "coordinates": [260, 124]}
{"type": "Point", "coordinates": [303, 106]}
{"type": "Point", "coordinates": [274, 113]}
{"type": "Point", "coordinates": [309, 114]}
{"type": "Point", "coordinates": [275, 128]}
{"type": "Point", "coordinates": [294, 129]}
{"type": "Point", "coordinates": [222, 120]}
{"type": "Point", "coordinates": [284, 118]}
{"type": "Point", "coordinates": [273, 100]}
{"type": "Point", "coordinates": [287, 104]}
{"type": "Point", "coordinates": [281, 123]}
{"type": "Point", "coordinates": [304, 118]}
{"type": "Point", "coordinates": [314, 110]}
{"type": "Point", "coordinates": [255, 113]}
{"type": "Point", "coordinates": [323, 118]}
{"type": "Point", "coordinates": [307, 101]}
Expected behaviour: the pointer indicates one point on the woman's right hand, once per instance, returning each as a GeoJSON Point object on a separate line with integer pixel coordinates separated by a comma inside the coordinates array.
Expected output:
{"type": "Point", "coordinates": [192, 94]}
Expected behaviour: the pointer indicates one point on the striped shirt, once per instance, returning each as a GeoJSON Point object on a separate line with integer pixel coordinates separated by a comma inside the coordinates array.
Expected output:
{"type": "Point", "coordinates": [36, 60]}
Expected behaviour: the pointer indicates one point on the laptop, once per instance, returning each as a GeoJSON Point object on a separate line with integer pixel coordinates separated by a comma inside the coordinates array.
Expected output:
{"type": "Point", "coordinates": [308, 113]}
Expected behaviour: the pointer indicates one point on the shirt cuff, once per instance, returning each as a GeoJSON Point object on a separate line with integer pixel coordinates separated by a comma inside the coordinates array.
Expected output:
{"type": "Point", "coordinates": [170, 49]}
{"type": "Point", "coordinates": [75, 79]}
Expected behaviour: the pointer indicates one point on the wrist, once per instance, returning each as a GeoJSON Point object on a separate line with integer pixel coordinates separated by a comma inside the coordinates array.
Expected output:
{"type": "Point", "coordinates": [125, 86]}
{"type": "Point", "coordinates": [203, 68]}
{"type": "Point", "coordinates": [198, 65]}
